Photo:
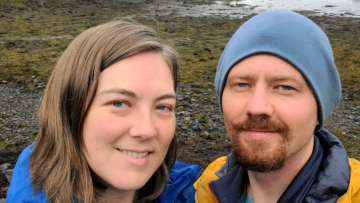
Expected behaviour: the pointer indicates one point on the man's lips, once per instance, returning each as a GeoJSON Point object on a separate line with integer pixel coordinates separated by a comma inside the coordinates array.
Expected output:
{"type": "Point", "coordinates": [260, 130]}
{"type": "Point", "coordinates": [259, 134]}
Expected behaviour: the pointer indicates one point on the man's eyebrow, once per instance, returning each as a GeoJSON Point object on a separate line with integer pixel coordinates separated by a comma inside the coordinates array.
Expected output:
{"type": "Point", "coordinates": [166, 96]}
{"type": "Point", "coordinates": [280, 78]}
{"type": "Point", "coordinates": [240, 76]}
{"type": "Point", "coordinates": [119, 91]}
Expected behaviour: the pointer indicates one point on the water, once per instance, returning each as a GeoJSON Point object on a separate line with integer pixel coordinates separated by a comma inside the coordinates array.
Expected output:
{"type": "Point", "coordinates": [349, 8]}
{"type": "Point", "coordinates": [241, 8]}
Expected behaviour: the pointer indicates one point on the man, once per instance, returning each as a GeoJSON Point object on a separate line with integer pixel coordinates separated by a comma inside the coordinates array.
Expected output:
{"type": "Point", "coordinates": [277, 83]}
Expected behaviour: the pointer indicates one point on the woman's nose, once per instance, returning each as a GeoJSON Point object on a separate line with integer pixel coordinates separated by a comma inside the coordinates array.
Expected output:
{"type": "Point", "coordinates": [143, 125]}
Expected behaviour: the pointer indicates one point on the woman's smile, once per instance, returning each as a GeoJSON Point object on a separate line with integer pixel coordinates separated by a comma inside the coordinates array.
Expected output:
{"type": "Point", "coordinates": [134, 154]}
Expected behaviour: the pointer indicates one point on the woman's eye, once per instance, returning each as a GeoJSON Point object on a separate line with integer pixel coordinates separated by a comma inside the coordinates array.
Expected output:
{"type": "Point", "coordinates": [284, 87]}
{"type": "Point", "coordinates": [243, 84]}
{"type": "Point", "coordinates": [119, 104]}
{"type": "Point", "coordinates": [163, 108]}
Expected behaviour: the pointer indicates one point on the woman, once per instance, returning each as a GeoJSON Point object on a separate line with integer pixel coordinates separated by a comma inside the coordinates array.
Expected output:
{"type": "Point", "coordinates": [107, 121]}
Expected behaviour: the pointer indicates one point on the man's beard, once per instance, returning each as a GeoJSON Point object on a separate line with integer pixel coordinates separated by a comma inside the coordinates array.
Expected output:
{"type": "Point", "coordinates": [255, 155]}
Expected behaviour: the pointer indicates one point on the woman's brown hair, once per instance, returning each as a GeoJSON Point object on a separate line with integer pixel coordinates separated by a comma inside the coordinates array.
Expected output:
{"type": "Point", "coordinates": [57, 163]}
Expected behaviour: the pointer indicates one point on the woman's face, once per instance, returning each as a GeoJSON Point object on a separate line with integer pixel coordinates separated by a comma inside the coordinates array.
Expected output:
{"type": "Point", "coordinates": [131, 121]}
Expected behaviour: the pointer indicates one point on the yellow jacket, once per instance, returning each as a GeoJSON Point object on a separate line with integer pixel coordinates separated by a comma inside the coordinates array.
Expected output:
{"type": "Point", "coordinates": [353, 193]}
{"type": "Point", "coordinates": [337, 178]}
{"type": "Point", "coordinates": [204, 193]}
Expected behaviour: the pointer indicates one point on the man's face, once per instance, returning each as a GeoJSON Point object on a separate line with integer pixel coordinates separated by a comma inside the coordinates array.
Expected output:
{"type": "Point", "coordinates": [270, 113]}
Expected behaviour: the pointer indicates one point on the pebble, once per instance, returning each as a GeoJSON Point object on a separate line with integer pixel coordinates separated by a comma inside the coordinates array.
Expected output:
{"type": "Point", "coordinates": [8, 174]}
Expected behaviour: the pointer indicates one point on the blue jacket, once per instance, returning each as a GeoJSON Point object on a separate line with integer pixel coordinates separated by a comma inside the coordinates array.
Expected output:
{"type": "Point", "coordinates": [180, 187]}
{"type": "Point", "coordinates": [21, 188]}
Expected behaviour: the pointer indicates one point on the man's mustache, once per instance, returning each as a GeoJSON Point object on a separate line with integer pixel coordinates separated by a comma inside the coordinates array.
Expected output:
{"type": "Point", "coordinates": [261, 122]}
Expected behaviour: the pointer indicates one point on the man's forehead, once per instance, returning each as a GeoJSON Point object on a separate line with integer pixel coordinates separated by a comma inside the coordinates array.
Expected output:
{"type": "Point", "coordinates": [275, 67]}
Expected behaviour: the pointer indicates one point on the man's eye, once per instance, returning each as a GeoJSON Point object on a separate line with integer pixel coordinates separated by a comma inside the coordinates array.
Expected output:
{"type": "Point", "coordinates": [119, 104]}
{"type": "Point", "coordinates": [242, 84]}
{"type": "Point", "coordinates": [284, 87]}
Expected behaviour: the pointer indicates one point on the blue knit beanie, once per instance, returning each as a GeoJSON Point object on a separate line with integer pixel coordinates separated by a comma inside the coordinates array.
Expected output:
{"type": "Point", "coordinates": [297, 40]}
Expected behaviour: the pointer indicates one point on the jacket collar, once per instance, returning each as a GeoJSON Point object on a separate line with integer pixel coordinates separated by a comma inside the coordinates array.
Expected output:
{"type": "Point", "coordinates": [327, 167]}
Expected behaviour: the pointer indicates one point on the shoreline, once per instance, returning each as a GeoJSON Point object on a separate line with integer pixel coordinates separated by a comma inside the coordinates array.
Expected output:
{"type": "Point", "coordinates": [30, 46]}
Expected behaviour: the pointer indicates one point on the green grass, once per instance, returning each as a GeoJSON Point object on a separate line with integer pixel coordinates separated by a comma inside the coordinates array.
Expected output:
{"type": "Point", "coordinates": [200, 41]}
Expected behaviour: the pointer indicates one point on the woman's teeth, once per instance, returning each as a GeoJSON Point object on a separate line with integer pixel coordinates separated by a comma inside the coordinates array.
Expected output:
{"type": "Point", "coordinates": [134, 154]}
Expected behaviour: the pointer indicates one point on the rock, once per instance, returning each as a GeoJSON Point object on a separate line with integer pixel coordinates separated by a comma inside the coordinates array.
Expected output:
{"type": "Point", "coordinates": [210, 122]}
{"type": "Point", "coordinates": [206, 135]}
{"type": "Point", "coordinates": [3, 172]}
{"type": "Point", "coordinates": [19, 142]}
{"type": "Point", "coordinates": [4, 167]}
{"type": "Point", "coordinates": [8, 174]}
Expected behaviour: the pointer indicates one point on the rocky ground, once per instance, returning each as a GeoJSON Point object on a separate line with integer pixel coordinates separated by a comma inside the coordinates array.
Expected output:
{"type": "Point", "coordinates": [200, 130]}
{"type": "Point", "coordinates": [33, 35]}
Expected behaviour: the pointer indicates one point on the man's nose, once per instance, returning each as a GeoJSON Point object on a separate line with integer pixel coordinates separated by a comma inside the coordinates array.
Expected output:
{"type": "Point", "coordinates": [259, 102]}
{"type": "Point", "coordinates": [143, 126]}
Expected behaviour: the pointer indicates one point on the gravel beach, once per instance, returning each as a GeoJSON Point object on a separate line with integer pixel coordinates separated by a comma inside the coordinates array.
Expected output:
{"type": "Point", "coordinates": [28, 54]}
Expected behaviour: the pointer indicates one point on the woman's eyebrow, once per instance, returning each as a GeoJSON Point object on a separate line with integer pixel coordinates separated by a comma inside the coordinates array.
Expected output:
{"type": "Point", "coordinates": [132, 94]}
{"type": "Point", "coordinates": [119, 91]}
{"type": "Point", "coordinates": [166, 96]}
